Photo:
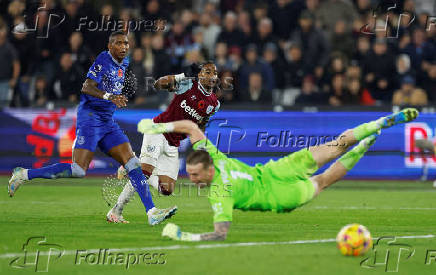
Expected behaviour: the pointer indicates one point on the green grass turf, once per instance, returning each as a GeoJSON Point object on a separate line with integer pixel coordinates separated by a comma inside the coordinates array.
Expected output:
{"type": "Point", "coordinates": [71, 213]}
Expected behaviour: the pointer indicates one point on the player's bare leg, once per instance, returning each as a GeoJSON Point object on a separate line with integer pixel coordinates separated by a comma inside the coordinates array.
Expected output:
{"type": "Point", "coordinates": [329, 151]}
{"type": "Point", "coordinates": [123, 153]}
{"type": "Point", "coordinates": [81, 160]}
{"type": "Point", "coordinates": [344, 164]}
{"type": "Point", "coordinates": [425, 145]}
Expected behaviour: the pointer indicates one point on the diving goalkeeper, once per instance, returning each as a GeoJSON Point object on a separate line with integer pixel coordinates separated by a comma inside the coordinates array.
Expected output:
{"type": "Point", "coordinates": [280, 185]}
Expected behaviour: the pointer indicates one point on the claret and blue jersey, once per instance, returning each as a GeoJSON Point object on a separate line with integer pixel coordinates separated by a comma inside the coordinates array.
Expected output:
{"type": "Point", "coordinates": [95, 124]}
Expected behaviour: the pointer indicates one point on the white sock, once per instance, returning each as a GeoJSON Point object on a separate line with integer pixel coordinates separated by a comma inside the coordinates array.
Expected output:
{"type": "Point", "coordinates": [125, 196]}
{"type": "Point", "coordinates": [26, 174]}
{"type": "Point", "coordinates": [151, 211]}
{"type": "Point", "coordinates": [153, 181]}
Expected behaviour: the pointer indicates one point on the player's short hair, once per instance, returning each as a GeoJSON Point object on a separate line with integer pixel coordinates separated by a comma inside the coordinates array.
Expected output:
{"type": "Point", "coordinates": [209, 62]}
{"type": "Point", "coordinates": [199, 156]}
{"type": "Point", "coordinates": [115, 33]}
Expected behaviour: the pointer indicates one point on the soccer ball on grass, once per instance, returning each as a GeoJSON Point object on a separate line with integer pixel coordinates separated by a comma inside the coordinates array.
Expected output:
{"type": "Point", "coordinates": [354, 240]}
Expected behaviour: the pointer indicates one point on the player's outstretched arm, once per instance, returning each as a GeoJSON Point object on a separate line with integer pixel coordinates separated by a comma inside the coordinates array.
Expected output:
{"type": "Point", "coordinates": [173, 231]}
{"type": "Point", "coordinates": [167, 82]}
{"type": "Point", "coordinates": [147, 126]}
{"type": "Point", "coordinates": [90, 88]}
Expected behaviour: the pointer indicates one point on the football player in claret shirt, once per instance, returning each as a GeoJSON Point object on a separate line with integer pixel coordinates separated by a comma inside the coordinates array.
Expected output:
{"type": "Point", "coordinates": [280, 185]}
{"type": "Point", "coordinates": [101, 95]}
{"type": "Point", "coordinates": [194, 100]}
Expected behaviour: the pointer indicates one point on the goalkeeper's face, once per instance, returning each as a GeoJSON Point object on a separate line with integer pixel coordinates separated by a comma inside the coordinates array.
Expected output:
{"type": "Point", "coordinates": [200, 175]}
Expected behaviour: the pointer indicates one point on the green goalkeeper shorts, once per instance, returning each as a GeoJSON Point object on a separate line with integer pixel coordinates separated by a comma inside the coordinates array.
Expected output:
{"type": "Point", "coordinates": [289, 182]}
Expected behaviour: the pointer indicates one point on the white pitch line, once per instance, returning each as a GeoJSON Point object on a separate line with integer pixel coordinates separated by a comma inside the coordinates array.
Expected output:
{"type": "Point", "coordinates": [202, 246]}
{"type": "Point", "coordinates": [370, 208]}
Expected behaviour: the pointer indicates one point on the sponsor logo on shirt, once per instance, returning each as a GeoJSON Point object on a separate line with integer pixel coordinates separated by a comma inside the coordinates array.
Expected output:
{"type": "Point", "coordinates": [191, 111]}
{"type": "Point", "coordinates": [209, 109]}
{"type": "Point", "coordinates": [241, 175]}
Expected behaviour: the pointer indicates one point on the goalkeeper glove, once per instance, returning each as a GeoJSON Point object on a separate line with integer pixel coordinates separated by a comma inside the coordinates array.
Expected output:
{"type": "Point", "coordinates": [173, 232]}
{"type": "Point", "coordinates": [147, 126]}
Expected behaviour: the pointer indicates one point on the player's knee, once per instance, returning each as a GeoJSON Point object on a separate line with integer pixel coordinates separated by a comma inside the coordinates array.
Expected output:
{"type": "Point", "coordinates": [166, 188]}
{"type": "Point", "coordinates": [77, 171]}
{"type": "Point", "coordinates": [132, 164]}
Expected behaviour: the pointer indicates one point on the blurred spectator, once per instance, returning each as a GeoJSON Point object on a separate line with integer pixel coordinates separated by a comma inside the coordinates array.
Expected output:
{"type": "Point", "coordinates": [254, 64]}
{"type": "Point", "coordinates": [256, 93]}
{"type": "Point", "coordinates": [404, 68]}
{"type": "Point", "coordinates": [210, 32]}
{"type": "Point", "coordinates": [161, 64]}
{"type": "Point", "coordinates": [430, 82]}
{"type": "Point", "coordinates": [10, 68]}
{"type": "Point", "coordinates": [264, 34]}
{"type": "Point", "coordinates": [359, 95]}
{"type": "Point", "coordinates": [137, 67]}
{"type": "Point", "coordinates": [314, 44]}
{"type": "Point", "coordinates": [270, 56]}
{"type": "Point", "coordinates": [337, 65]}
{"type": "Point", "coordinates": [41, 92]}
{"type": "Point", "coordinates": [294, 67]}
{"type": "Point", "coordinates": [80, 53]}
{"type": "Point", "coordinates": [68, 80]}
{"type": "Point", "coordinates": [379, 71]}
{"type": "Point", "coordinates": [235, 57]}
{"type": "Point", "coordinates": [178, 43]}
{"type": "Point", "coordinates": [244, 25]}
{"type": "Point", "coordinates": [284, 15]}
{"type": "Point", "coordinates": [342, 40]}
{"type": "Point", "coordinates": [222, 61]}
{"type": "Point", "coordinates": [230, 34]}
{"type": "Point", "coordinates": [24, 44]}
{"type": "Point", "coordinates": [227, 93]}
{"type": "Point", "coordinates": [363, 7]}
{"type": "Point", "coordinates": [309, 93]}
{"type": "Point", "coordinates": [363, 47]}
{"type": "Point", "coordinates": [331, 11]}
{"type": "Point", "coordinates": [421, 53]}
{"type": "Point", "coordinates": [409, 94]}
{"type": "Point", "coordinates": [339, 95]}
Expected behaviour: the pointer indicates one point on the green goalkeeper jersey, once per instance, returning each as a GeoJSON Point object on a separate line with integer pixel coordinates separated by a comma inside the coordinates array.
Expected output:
{"type": "Point", "coordinates": [235, 185]}
{"type": "Point", "coordinates": [278, 185]}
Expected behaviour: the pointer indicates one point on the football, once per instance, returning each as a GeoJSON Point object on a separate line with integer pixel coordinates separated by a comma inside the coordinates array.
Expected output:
{"type": "Point", "coordinates": [354, 240]}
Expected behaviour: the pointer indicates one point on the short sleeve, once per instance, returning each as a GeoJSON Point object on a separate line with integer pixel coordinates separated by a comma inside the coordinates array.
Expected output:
{"type": "Point", "coordinates": [97, 70]}
{"type": "Point", "coordinates": [183, 86]}
{"type": "Point", "coordinates": [217, 106]}
{"type": "Point", "coordinates": [207, 145]}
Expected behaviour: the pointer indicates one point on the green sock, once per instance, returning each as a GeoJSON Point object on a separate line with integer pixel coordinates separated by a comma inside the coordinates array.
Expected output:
{"type": "Point", "coordinates": [366, 129]}
{"type": "Point", "coordinates": [350, 158]}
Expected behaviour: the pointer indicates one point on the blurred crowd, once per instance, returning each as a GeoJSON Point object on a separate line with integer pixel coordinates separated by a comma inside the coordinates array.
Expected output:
{"type": "Point", "coordinates": [281, 52]}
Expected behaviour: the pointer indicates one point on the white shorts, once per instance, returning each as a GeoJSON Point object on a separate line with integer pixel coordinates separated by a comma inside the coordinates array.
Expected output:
{"type": "Point", "coordinates": [157, 152]}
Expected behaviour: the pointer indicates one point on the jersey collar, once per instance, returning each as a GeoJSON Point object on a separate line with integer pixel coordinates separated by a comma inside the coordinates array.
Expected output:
{"type": "Point", "coordinates": [203, 90]}
{"type": "Point", "coordinates": [114, 60]}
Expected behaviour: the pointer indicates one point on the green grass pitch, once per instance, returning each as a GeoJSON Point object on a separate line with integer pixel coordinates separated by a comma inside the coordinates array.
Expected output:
{"type": "Point", "coordinates": [71, 213]}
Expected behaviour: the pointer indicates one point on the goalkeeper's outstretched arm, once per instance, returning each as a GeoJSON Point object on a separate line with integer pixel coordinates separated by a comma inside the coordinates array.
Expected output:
{"type": "Point", "coordinates": [147, 126]}
{"type": "Point", "coordinates": [173, 231]}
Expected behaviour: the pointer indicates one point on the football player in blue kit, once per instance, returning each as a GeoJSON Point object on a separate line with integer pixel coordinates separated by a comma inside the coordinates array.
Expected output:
{"type": "Point", "coordinates": [101, 95]}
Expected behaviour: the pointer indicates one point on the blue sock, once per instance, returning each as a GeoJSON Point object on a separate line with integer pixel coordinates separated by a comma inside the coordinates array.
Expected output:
{"type": "Point", "coordinates": [58, 170]}
{"type": "Point", "coordinates": [139, 181]}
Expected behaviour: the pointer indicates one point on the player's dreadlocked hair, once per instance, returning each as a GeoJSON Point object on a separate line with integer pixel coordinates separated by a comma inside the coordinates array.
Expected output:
{"type": "Point", "coordinates": [199, 156]}
{"type": "Point", "coordinates": [115, 33]}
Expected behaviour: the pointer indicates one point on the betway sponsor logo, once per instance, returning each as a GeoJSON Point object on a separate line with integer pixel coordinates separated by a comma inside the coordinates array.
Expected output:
{"type": "Point", "coordinates": [191, 111]}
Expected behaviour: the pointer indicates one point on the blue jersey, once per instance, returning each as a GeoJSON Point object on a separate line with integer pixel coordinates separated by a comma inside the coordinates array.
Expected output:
{"type": "Point", "coordinates": [109, 74]}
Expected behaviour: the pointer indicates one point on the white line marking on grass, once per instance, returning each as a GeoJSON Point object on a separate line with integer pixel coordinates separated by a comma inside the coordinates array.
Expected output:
{"type": "Point", "coordinates": [203, 246]}
{"type": "Point", "coordinates": [369, 208]}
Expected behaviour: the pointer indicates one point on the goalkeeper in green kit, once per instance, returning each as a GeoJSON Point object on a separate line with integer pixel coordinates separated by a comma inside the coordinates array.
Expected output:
{"type": "Point", "coordinates": [280, 185]}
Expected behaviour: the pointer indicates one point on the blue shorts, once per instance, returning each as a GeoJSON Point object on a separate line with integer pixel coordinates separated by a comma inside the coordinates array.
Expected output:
{"type": "Point", "coordinates": [106, 135]}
